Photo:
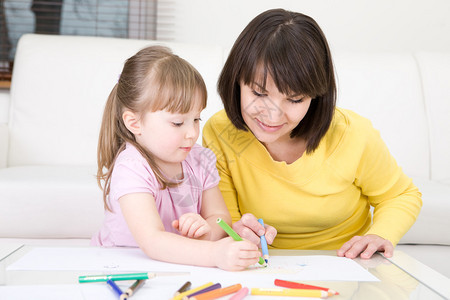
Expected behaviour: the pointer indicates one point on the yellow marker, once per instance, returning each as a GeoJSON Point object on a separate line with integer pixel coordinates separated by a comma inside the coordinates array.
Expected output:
{"type": "Point", "coordinates": [189, 292]}
{"type": "Point", "coordinates": [290, 292]}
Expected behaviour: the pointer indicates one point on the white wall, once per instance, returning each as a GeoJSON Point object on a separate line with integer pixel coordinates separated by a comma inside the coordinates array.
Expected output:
{"type": "Point", "coordinates": [350, 25]}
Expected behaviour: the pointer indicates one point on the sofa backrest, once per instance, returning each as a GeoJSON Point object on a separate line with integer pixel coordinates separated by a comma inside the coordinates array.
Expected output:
{"type": "Point", "coordinates": [386, 88]}
{"type": "Point", "coordinates": [60, 85]}
{"type": "Point", "coordinates": [59, 88]}
{"type": "Point", "coordinates": [435, 74]}
{"type": "Point", "coordinates": [407, 98]}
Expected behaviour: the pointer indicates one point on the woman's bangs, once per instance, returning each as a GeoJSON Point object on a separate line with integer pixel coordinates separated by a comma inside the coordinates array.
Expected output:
{"type": "Point", "coordinates": [299, 73]}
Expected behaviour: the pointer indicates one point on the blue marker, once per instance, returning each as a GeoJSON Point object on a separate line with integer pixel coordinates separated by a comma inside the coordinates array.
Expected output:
{"type": "Point", "coordinates": [264, 248]}
{"type": "Point", "coordinates": [116, 289]}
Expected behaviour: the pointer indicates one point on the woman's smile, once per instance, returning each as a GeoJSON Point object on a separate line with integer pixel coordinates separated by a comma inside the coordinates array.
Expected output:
{"type": "Point", "coordinates": [267, 127]}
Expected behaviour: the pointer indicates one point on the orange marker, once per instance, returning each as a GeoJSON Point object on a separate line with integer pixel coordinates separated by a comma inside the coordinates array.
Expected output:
{"type": "Point", "coordinates": [218, 293]}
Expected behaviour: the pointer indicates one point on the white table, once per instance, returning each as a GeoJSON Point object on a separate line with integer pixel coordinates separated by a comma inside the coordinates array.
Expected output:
{"type": "Point", "coordinates": [401, 277]}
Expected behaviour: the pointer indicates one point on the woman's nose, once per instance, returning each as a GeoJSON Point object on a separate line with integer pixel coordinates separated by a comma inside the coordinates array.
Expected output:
{"type": "Point", "coordinates": [269, 110]}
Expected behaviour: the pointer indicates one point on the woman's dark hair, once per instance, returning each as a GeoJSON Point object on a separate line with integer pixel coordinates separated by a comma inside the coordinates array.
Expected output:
{"type": "Point", "coordinates": [292, 48]}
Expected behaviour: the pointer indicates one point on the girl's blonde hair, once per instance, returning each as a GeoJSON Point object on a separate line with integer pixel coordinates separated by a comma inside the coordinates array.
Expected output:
{"type": "Point", "coordinates": [153, 79]}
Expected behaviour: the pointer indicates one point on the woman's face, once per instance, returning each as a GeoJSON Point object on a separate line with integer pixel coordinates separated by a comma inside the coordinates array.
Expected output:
{"type": "Point", "coordinates": [269, 114]}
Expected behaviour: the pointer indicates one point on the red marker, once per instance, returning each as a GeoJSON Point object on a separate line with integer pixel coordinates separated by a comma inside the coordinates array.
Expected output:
{"type": "Point", "coordinates": [297, 285]}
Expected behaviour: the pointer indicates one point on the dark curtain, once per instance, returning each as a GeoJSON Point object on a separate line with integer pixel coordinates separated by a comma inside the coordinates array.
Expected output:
{"type": "Point", "coordinates": [47, 16]}
{"type": "Point", "coordinates": [5, 44]}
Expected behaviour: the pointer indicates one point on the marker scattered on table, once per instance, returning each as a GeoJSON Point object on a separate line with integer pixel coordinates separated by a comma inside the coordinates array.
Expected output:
{"type": "Point", "coordinates": [218, 293]}
{"type": "Point", "coordinates": [116, 289]}
{"type": "Point", "coordinates": [290, 292]}
{"type": "Point", "coordinates": [132, 289]}
{"type": "Point", "coordinates": [264, 247]}
{"type": "Point", "coordinates": [191, 291]}
{"type": "Point", "coordinates": [298, 285]}
{"type": "Point", "coordinates": [115, 277]}
{"type": "Point", "coordinates": [205, 290]}
{"type": "Point", "coordinates": [235, 236]}
{"type": "Point", "coordinates": [186, 286]}
{"type": "Point", "coordinates": [241, 294]}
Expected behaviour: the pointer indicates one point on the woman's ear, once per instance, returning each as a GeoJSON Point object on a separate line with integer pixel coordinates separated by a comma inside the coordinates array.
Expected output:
{"type": "Point", "coordinates": [131, 121]}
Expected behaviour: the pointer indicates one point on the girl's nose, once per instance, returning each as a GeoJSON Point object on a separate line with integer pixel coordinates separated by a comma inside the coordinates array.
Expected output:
{"type": "Point", "coordinates": [192, 131]}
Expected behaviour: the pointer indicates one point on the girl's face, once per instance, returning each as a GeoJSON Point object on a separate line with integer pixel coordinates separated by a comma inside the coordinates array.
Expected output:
{"type": "Point", "coordinates": [169, 136]}
{"type": "Point", "coordinates": [269, 114]}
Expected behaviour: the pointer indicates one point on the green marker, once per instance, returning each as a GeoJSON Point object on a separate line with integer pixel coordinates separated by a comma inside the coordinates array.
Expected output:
{"type": "Point", "coordinates": [229, 230]}
{"type": "Point", "coordinates": [126, 276]}
{"type": "Point", "coordinates": [234, 235]}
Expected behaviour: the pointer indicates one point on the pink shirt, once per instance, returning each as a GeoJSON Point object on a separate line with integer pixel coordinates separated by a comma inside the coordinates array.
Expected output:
{"type": "Point", "coordinates": [132, 174]}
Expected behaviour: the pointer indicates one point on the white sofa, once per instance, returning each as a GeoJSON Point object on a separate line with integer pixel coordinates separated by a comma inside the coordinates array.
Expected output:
{"type": "Point", "coordinates": [48, 140]}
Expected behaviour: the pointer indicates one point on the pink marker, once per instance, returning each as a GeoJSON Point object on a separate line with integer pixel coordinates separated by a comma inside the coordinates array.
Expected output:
{"type": "Point", "coordinates": [241, 294]}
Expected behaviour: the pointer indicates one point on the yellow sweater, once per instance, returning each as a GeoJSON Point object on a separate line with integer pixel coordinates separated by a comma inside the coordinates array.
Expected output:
{"type": "Point", "coordinates": [323, 199]}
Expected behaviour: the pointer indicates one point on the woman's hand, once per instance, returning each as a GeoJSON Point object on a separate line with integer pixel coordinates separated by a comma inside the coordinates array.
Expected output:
{"type": "Point", "coordinates": [192, 225]}
{"type": "Point", "coordinates": [233, 255]}
{"type": "Point", "coordinates": [366, 246]}
{"type": "Point", "coordinates": [249, 228]}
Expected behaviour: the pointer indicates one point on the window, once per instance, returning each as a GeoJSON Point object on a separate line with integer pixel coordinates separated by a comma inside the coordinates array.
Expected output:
{"type": "Point", "coordinates": [136, 19]}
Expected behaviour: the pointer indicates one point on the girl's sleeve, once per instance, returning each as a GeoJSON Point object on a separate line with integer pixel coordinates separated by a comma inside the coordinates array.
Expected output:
{"type": "Point", "coordinates": [212, 141]}
{"type": "Point", "coordinates": [207, 163]}
{"type": "Point", "coordinates": [131, 176]}
{"type": "Point", "coordinates": [396, 200]}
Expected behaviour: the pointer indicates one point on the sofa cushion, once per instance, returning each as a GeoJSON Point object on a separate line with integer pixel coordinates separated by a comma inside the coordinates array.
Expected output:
{"type": "Point", "coordinates": [49, 202]}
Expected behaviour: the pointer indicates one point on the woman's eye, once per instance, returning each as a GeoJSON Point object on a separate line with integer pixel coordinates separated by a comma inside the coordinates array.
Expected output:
{"type": "Point", "coordinates": [197, 120]}
{"type": "Point", "coordinates": [295, 101]}
{"type": "Point", "coordinates": [177, 124]}
{"type": "Point", "coordinates": [257, 94]}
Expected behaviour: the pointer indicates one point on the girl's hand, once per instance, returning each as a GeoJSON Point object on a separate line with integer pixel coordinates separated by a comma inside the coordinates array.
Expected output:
{"type": "Point", "coordinates": [233, 255]}
{"type": "Point", "coordinates": [192, 225]}
{"type": "Point", "coordinates": [366, 246]}
{"type": "Point", "coordinates": [249, 228]}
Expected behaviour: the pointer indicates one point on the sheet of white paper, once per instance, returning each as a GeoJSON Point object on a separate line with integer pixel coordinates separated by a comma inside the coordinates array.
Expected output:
{"type": "Point", "coordinates": [113, 260]}
{"type": "Point", "coordinates": [92, 259]}
{"type": "Point", "coordinates": [313, 268]}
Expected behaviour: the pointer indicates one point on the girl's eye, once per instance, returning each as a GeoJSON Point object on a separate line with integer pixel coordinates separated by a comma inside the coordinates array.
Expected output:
{"type": "Point", "coordinates": [177, 124]}
{"type": "Point", "coordinates": [197, 120]}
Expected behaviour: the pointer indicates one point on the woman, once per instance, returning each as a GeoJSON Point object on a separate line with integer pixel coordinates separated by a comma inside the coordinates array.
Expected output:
{"type": "Point", "coordinates": [287, 155]}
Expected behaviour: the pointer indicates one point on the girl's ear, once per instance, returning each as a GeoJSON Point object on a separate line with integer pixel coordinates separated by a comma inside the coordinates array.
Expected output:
{"type": "Point", "coordinates": [132, 123]}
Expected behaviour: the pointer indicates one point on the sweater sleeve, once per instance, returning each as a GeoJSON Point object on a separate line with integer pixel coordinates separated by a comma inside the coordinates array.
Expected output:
{"type": "Point", "coordinates": [211, 139]}
{"type": "Point", "coordinates": [396, 200]}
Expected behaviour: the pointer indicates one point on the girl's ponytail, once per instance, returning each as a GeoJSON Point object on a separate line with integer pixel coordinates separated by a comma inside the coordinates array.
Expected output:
{"type": "Point", "coordinates": [109, 143]}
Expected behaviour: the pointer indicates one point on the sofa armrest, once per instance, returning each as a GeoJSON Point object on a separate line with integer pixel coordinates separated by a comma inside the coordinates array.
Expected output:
{"type": "Point", "coordinates": [431, 227]}
{"type": "Point", "coordinates": [3, 144]}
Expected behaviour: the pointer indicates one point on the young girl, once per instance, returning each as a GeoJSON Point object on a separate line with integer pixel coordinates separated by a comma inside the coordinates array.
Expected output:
{"type": "Point", "coordinates": [160, 189]}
